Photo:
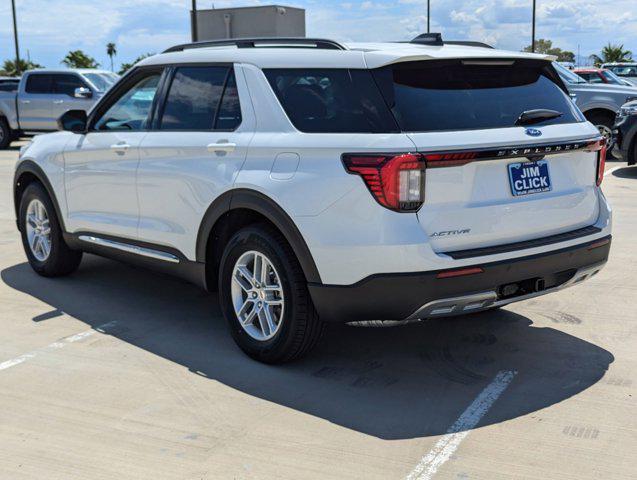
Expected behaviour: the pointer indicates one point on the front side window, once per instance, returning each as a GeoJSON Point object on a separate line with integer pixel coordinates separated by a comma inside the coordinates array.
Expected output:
{"type": "Point", "coordinates": [65, 84]}
{"type": "Point", "coordinates": [193, 98]}
{"type": "Point", "coordinates": [38, 83]}
{"type": "Point", "coordinates": [132, 110]}
{"type": "Point", "coordinates": [331, 100]}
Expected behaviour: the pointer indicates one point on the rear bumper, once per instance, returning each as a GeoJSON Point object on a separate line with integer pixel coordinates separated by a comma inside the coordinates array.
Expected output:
{"type": "Point", "coordinates": [408, 296]}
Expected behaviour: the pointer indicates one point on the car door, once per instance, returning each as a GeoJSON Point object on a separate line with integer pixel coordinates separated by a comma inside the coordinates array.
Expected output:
{"type": "Point", "coordinates": [194, 153]}
{"type": "Point", "coordinates": [100, 165]}
{"type": "Point", "coordinates": [64, 86]}
{"type": "Point", "coordinates": [35, 103]}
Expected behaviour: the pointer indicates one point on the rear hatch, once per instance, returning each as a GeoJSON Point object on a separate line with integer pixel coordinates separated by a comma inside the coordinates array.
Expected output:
{"type": "Point", "coordinates": [491, 178]}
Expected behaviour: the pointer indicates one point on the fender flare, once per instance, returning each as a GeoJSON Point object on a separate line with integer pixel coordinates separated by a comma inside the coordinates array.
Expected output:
{"type": "Point", "coordinates": [264, 205]}
{"type": "Point", "coordinates": [29, 166]}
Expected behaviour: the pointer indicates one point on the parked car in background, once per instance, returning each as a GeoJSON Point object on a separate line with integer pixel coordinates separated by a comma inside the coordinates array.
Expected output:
{"type": "Point", "coordinates": [9, 84]}
{"type": "Point", "coordinates": [601, 75]}
{"type": "Point", "coordinates": [626, 70]}
{"type": "Point", "coordinates": [626, 133]}
{"type": "Point", "coordinates": [277, 174]}
{"type": "Point", "coordinates": [43, 95]}
{"type": "Point", "coordinates": [598, 102]}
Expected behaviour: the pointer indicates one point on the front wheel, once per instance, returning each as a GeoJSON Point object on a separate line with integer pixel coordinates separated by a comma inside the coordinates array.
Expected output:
{"type": "Point", "coordinates": [264, 297]}
{"type": "Point", "coordinates": [604, 123]}
{"type": "Point", "coordinates": [42, 238]}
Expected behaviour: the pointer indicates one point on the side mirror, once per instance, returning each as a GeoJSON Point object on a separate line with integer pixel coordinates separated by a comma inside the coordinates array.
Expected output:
{"type": "Point", "coordinates": [82, 92]}
{"type": "Point", "coordinates": [73, 121]}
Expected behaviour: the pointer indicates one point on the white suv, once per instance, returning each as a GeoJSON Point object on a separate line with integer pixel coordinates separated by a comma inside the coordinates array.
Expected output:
{"type": "Point", "coordinates": [311, 182]}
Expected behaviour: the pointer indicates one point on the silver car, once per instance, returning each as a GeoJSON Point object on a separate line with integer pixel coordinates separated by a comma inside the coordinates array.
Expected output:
{"type": "Point", "coordinates": [44, 95]}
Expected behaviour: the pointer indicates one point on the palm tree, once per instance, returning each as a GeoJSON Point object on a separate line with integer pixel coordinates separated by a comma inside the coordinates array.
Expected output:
{"type": "Point", "coordinates": [9, 67]}
{"type": "Point", "coordinates": [79, 59]}
{"type": "Point", "coordinates": [612, 53]}
{"type": "Point", "coordinates": [111, 51]}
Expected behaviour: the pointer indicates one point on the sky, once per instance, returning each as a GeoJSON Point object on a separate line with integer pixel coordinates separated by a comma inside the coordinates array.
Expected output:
{"type": "Point", "coordinates": [50, 28]}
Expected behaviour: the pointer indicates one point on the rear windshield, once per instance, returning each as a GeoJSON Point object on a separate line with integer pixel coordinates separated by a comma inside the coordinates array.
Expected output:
{"type": "Point", "coordinates": [420, 96]}
{"type": "Point", "coordinates": [462, 95]}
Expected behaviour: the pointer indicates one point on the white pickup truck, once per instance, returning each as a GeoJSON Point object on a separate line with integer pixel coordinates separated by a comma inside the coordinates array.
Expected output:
{"type": "Point", "coordinates": [44, 95]}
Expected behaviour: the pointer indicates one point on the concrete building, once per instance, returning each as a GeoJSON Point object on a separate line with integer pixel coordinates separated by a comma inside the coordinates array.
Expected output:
{"type": "Point", "coordinates": [262, 21]}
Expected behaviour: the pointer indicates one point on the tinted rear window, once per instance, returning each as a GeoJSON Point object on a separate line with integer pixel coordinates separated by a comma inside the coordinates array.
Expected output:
{"type": "Point", "coordinates": [331, 100]}
{"type": "Point", "coordinates": [455, 95]}
{"type": "Point", "coordinates": [193, 98]}
{"type": "Point", "coordinates": [39, 84]}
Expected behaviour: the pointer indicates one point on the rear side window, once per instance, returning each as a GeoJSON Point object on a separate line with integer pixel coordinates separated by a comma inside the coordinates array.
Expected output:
{"type": "Point", "coordinates": [39, 84]}
{"type": "Point", "coordinates": [66, 84]}
{"type": "Point", "coordinates": [194, 99]}
{"type": "Point", "coordinates": [431, 95]}
{"type": "Point", "coordinates": [331, 100]}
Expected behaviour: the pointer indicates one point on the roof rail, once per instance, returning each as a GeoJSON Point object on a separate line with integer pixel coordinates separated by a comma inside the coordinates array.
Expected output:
{"type": "Point", "coordinates": [435, 39]}
{"type": "Point", "coordinates": [275, 42]}
{"type": "Point", "coordinates": [468, 43]}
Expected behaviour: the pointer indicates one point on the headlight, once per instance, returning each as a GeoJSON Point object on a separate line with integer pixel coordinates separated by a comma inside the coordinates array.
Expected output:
{"type": "Point", "coordinates": [627, 110]}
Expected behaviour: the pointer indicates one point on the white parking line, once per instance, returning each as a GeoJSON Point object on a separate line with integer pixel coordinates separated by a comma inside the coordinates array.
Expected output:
{"type": "Point", "coordinates": [448, 444]}
{"type": "Point", "coordinates": [54, 346]}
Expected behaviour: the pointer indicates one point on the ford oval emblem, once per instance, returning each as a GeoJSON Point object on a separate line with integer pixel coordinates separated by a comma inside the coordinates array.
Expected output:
{"type": "Point", "coordinates": [533, 132]}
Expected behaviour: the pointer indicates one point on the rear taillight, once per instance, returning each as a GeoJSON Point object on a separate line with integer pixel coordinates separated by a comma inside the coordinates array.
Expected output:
{"type": "Point", "coordinates": [600, 147]}
{"type": "Point", "coordinates": [396, 181]}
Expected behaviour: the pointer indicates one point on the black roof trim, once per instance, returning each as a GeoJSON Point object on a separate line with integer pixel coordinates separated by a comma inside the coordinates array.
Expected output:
{"type": "Point", "coordinates": [276, 42]}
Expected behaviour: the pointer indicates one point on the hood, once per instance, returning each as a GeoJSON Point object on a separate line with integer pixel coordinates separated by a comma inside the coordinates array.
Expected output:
{"type": "Point", "coordinates": [604, 88]}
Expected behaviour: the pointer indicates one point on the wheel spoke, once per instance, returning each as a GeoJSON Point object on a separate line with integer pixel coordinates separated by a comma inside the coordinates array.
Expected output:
{"type": "Point", "coordinates": [34, 242]}
{"type": "Point", "coordinates": [243, 270]}
{"type": "Point", "coordinates": [269, 318]}
{"type": "Point", "coordinates": [31, 220]}
{"type": "Point", "coordinates": [263, 322]}
{"type": "Point", "coordinates": [45, 246]}
{"type": "Point", "coordinates": [240, 280]}
{"type": "Point", "coordinates": [249, 319]}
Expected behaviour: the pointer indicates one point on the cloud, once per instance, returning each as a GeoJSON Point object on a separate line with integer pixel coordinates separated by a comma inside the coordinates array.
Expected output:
{"type": "Point", "coordinates": [50, 28]}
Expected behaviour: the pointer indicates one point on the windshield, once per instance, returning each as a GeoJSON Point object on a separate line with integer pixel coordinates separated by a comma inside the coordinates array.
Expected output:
{"type": "Point", "coordinates": [101, 81]}
{"type": "Point", "coordinates": [624, 70]}
{"type": "Point", "coordinates": [567, 75]}
{"type": "Point", "coordinates": [612, 78]}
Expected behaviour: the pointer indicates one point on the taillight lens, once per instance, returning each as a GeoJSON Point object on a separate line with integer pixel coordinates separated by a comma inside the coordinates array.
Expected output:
{"type": "Point", "coordinates": [396, 181]}
{"type": "Point", "coordinates": [600, 147]}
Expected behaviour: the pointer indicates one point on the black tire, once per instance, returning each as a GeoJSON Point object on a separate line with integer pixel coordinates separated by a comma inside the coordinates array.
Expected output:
{"type": "Point", "coordinates": [6, 135]}
{"type": "Point", "coordinates": [61, 259]}
{"type": "Point", "coordinates": [300, 328]}
{"type": "Point", "coordinates": [605, 120]}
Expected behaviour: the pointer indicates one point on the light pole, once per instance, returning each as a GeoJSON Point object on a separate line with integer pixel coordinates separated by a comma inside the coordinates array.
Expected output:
{"type": "Point", "coordinates": [193, 21]}
{"type": "Point", "coordinates": [533, 30]}
{"type": "Point", "coordinates": [428, 15]}
{"type": "Point", "coordinates": [15, 37]}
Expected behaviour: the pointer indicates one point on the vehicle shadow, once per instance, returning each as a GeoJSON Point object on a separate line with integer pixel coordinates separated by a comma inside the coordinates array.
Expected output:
{"type": "Point", "coordinates": [626, 172]}
{"type": "Point", "coordinates": [393, 383]}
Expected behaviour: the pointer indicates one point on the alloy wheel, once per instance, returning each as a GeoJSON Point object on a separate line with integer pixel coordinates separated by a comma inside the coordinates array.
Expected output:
{"type": "Point", "coordinates": [257, 295]}
{"type": "Point", "coordinates": [38, 230]}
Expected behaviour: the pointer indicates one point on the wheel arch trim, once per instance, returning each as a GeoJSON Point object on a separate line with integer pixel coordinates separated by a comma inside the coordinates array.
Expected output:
{"type": "Point", "coordinates": [244, 198]}
{"type": "Point", "coordinates": [30, 167]}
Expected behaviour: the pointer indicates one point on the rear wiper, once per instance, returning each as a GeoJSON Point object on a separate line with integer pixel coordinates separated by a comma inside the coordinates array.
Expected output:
{"type": "Point", "coordinates": [529, 117]}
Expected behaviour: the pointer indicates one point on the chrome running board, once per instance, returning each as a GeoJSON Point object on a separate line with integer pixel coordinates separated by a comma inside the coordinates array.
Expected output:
{"type": "Point", "coordinates": [134, 249]}
{"type": "Point", "coordinates": [477, 302]}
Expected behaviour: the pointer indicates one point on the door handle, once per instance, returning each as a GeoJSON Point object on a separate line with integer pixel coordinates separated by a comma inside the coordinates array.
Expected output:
{"type": "Point", "coordinates": [57, 102]}
{"type": "Point", "coordinates": [120, 148]}
{"type": "Point", "coordinates": [222, 147]}
{"type": "Point", "coordinates": [25, 101]}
